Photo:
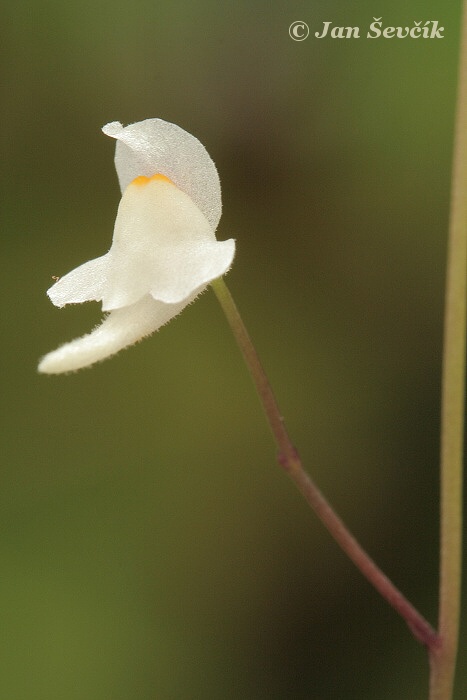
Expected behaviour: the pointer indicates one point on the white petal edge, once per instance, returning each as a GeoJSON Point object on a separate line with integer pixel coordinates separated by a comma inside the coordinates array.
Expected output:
{"type": "Point", "coordinates": [193, 266]}
{"type": "Point", "coordinates": [118, 330]}
{"type": "Point", "coordinates": [85, 283]}
{"type": "Point", "coordinates": [156, 146]}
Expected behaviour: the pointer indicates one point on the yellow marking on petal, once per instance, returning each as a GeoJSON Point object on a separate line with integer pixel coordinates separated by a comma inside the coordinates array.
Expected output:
{"type": "Point", "coordinates": [143, 180]}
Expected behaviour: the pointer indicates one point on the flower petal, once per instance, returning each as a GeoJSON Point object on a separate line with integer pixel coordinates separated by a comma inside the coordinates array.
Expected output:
{"type": "Point", "coordinates": [155, 146]}
{"type": "Point", "coordinates": [162, 245]}
{"type": "Point", "coordinates": [85, 283]}
{"type": "Point", "coordinates": [119, 329]}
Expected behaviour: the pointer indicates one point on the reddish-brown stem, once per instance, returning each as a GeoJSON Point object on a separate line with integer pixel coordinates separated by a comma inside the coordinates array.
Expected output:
{"type": "Point", "coordinates": [290, 461]}
{"type": "Point", "coordinates": [420, 628]}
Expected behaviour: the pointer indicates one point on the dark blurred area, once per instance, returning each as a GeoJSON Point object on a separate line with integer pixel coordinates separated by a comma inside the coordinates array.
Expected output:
{"type": "Point", "coordinates": [151, 548]}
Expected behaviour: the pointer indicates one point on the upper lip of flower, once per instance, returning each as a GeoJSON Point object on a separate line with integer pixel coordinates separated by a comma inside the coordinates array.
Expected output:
{"type": "Point", "coordinates": [164, 251]}
{"type": "Point", "coordinates": [156, 146]}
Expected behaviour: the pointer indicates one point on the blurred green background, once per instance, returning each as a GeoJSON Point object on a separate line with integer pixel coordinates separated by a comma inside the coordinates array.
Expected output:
{"type": "Point", "coordinates": [150, 547]}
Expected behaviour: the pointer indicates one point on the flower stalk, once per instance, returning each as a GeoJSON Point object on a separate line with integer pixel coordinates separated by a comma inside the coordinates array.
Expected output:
{"type": "Point", "coordinates": [289, 459]}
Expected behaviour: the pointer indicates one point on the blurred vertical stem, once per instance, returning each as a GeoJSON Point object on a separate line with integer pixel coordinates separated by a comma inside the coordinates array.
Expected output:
{"type": "Point", "coordinates": [290, 461]}
{"type": "Point", "coordinates": [443, 658]}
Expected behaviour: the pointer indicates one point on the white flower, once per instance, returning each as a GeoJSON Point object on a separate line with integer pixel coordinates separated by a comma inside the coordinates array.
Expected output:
{"type": "Point", "coordinates": [164, 250]}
